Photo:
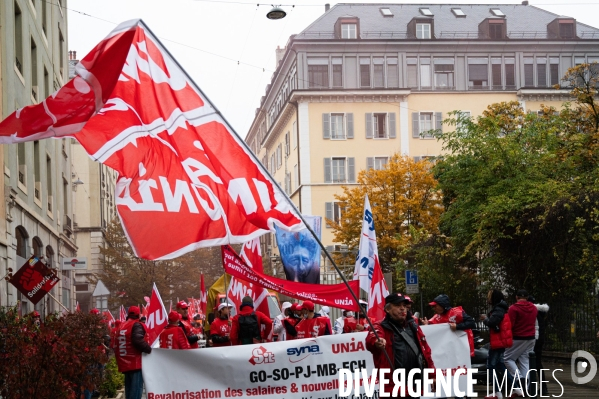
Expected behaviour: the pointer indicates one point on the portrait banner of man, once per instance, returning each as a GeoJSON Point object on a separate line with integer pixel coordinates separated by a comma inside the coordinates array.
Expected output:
{"type": "Point", "coordinates": [300, 252]}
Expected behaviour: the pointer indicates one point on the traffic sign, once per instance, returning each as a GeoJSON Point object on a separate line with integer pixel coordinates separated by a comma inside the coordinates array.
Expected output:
{"type": "Point", "coordinates": [411, 277]}
{"type": "Point", "coordinates": [412, 289]}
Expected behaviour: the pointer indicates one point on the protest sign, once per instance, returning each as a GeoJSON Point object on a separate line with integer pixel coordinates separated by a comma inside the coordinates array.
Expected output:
{"type": "Point", "coordinates": [291, 369]}
{"type": "Point", "coordinates": [34, 280]}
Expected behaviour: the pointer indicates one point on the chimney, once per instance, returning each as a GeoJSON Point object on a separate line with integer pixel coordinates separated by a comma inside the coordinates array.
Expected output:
{"type": "Point", "coordinates": [327, 7]}
{"type": "Point", "coordinates": [280, 52]}
{"type": "Point", "coordinates": [525, 3]}
{"type": "Point", "coordinates": [74, 55]}
{"type": "Point", "coordinates": [70, 55]}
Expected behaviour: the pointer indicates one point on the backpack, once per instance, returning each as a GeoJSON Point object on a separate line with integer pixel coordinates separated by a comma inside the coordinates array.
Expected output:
{"type": "Point", "coordinates": [249, 329]}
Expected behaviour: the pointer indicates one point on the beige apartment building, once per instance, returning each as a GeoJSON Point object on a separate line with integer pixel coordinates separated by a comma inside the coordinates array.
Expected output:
{"type": "Point", "coordinates": [365, 81]}
{"type": "Point", "coordinates": [37, 206]}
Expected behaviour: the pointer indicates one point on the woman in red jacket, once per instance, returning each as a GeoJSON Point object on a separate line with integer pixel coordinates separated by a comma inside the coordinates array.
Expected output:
{"type": "Point", "coordinates": [220, 329]}
{"type": "Point", "coordinates": [500, 333]}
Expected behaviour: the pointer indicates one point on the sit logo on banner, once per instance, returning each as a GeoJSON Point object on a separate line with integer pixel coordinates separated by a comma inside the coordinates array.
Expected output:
{"type": "Point", "coordinates": [261, 355]}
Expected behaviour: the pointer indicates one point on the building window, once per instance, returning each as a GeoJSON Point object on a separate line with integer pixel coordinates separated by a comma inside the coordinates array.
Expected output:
{"type": "Point", "coordinates": [18, 38]}
{"type": "Point", "coordinates": [444, 73]}
{"type": "Point", "coordinates": [318, 73]}
{"type": "Point", "coordinates": [338, 126]}
{"type": "Point", "coordinates": [541, 72]}
{"type": "Point", "coordinates": [288, 183]}
{"type": "Point", "coordinates": [529, 78]}
{"type": "Point", "coordinates": [426, 11]}
{"type": "Point", "coordinates": [425, 73]}
{"type": "Point", "coordinates": [279, 156]}
{"type": "Point", "coordinates": [458, 12]}
{"type": "Point", "coordinates": [49, 183]}
{"type": "Point", "coordinates": [364, 72]}
{"type": "Point", "coordinates": [339, 170]}
{"type": "Point", "coordinates": [34, 87]}
{"type": "Point", "coordinates": [379, 72]}
{"type": "Point", "coordinates": [61, 54]}
{"type": "Point", "coordinates": [566, 30]}
{"type": "Point", "coordinates": [273, 163]}
{"type": "Point", "coordinates": [424, 124]}
{"type": "Point", "coordinates": [376, 163]}
{"type": "Point", "coordinates": [49, 256]}
{"type": "Point", "coordinates": [386, 12]}
{"type": "Point", "coordinates": [22, 236]}
{"type": "Point", "coordinates": [497, 12]}
{"type": "Point", "coordinates": [478, 74]}
{"type": "Point", "coordinates": [47, 91]}
{"type": "Point", "coordinates": [38, 247]}
{"type": "Point", "coordinates": [412, 72]}
{"type": "Point", "coordinates": [37, 191]}
{"type": "Point", "coordinates": [380, 125]}
{"type": "Point", "coordinates": [22, 164]}
{"type": "Point", "coordinates": [337, 72]}
{"type": "Point", "coordinates": [496, 74]}
{"type": "Point", "coordinates": [392, 73]}
{"type": "Point", "coordinates": [423, 31]}
{"type": "Point", "coordinates": [554, 71]}
{"type": "Point", "coordinates": [496, 29]}
{"type": "Point", "coordinates": [333, 213]}
{"type": "Point", "coordinates": [348, 31]}
{"type": "Point", "coordinates": [44, 17]}
{"type": "Point", "coordinates": [65, 205]}
{"type": "Point", "coordinates": [287, 147]}
{"type": "Point", "coordinates": [510, 73]}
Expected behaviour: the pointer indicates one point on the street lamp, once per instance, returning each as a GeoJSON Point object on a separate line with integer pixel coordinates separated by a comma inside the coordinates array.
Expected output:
{"type": "Point", "coordinates": [276, 13]}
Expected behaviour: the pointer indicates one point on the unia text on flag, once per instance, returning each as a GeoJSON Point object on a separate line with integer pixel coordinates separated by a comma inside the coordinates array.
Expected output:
{"type": "Point", "coordinates": [238, 288]}
{"type": "Point", "coordinates": [203, 295]}
{"type": "Point", "coordinates": [181, 166]}
{"type": "Point", "coordinates": [157, 318]}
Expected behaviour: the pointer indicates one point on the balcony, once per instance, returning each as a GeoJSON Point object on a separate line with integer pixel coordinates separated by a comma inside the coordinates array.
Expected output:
{"type": "Point", "coordinates": [67, 226]}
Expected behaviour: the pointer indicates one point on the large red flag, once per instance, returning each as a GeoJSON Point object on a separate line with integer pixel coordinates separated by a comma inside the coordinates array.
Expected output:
{"type": "Point", "coordinates": [203, 295]}
{"type": "Point", "coordinates": [377, 293]}
{"type": "Point", "coordinates": [157, 316]}
{"type": "Point", "coordinates": [186, 180]}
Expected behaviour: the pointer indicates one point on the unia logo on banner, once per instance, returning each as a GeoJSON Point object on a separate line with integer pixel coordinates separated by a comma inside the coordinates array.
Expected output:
{"type": "Point", "coordinates": [261, 355]}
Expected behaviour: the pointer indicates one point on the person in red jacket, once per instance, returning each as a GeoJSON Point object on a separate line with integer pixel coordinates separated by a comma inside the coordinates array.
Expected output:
{"type": "Point", "coordinates": [185, 324]}
{"type": "Point", "coordinates": [456, 317]}
{"type": "Point", "coordinates": [500, 333]}
{"type": "Point", "coordinates": [220, 329]}
{"type": "Point", "coordinates": [130, 344]}
{"type": "Point", "coordinates": [291, 321]}
{"type": "Point", "coordinates": [312, 326]}
{"type": "Point", "coordinates": [523, 315]}
{"type": "Point", "coordinates": [247, 325]}
{"type": "Point", "coordinates": [173, 336]}
{"type": "Point", "coordinates": [394, 331]}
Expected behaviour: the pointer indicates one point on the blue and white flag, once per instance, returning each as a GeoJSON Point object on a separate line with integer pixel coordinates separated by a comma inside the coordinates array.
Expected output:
{"type": "Point", "coordinates": [368, 253]}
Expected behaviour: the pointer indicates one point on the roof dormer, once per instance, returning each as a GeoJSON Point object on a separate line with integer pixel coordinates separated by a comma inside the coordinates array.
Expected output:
{"type": "Point", "coordinates": [421, 27]}
{"type": "Point", "coordinates": [493, 28]}
{"type": "Point", "coordinates": [562, 28]}
{"type": "Point", "coordinates": [347, 27]}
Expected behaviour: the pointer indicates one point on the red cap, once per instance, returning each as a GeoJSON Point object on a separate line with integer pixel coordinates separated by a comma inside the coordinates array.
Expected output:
{"type": "Point", "coordinates": [408, 299]}
{"type": "Point", "coordinates": [94, 311]}
{"type": "Point", "coordinates": [295, 307]}
{"type": "Point", "coordinates": [433, 303]}
{"type": "Point", "coordinates": [35, 313]}
{"type": "Point", "coordinates": [181, 305]}
{"type": "Point", "coordinates": [133, 311]}
{"type": "Point", "coordinates": [308, 305]}
{"type": "Point", "coordinates": [173, 317]}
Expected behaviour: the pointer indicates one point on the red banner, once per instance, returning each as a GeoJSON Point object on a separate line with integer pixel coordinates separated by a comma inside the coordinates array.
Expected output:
{"type": "Point", "coordinates": [34, 280]}
{"type": "Point", "coordinates": [157, 317]}
{"type": "Point", "coordinates": [335, 295]}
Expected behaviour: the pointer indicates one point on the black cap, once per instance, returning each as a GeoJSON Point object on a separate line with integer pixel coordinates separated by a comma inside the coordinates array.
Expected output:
{"type": "Point", "coordinates": [396, 298]}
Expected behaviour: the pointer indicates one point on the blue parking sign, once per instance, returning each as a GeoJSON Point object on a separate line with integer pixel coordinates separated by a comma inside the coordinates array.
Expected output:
{"type": "Point", "coordinates": [411, 277]}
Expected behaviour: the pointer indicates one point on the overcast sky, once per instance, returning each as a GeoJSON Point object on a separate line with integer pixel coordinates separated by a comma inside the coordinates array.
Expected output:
{"type": "Point", "coordinates": [209, 37]}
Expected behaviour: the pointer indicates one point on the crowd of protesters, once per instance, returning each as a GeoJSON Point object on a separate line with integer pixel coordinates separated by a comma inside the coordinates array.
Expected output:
{"type": "Point", "coordinates": [514, 331]}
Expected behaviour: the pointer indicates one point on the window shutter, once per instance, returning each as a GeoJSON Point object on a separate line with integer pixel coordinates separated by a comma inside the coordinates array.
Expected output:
{"type": "Point", "coordinates": [369, 163]}
{"type": "Point", "coordinates": [326, 126]}
{"type": "Point", "coordinates": [351, 170]}
{"type": "Point", "coordinates": [350, 125]}
{"type": "Point", "coordinates": [439, 121]}
{"type": "Point", "coordinates": [328, 213]}
{"type": "Point", "coordinates": [416, 125]}
{"type": "Point", "coordinates": [392, 125]}
{"type": "Point", "coordinates": [327, 171]}
{"type": "Point", "coordinates": [369, 126]}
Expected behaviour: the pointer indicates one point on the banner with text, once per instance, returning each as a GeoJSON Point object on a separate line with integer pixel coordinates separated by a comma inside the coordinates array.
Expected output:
{"type": "Point", "coordinates": [335, 295]}
{"type": "Point", "coordinates": [291, 369]}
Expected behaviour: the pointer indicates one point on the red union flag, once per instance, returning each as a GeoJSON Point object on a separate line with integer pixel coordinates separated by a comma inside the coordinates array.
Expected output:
{"type": "Point", "coordinates": [238, 288]}
{"type": "Point", "coordinates": [34, 280]}
{"type": "Point", "coordinates": [157, 318]}
{"type": "Point", "coordinates": [180, 165]}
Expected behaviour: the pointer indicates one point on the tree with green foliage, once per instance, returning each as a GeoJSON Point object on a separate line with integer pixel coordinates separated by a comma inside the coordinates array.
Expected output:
{"type": "Point", "coordinates": [521, 195]}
